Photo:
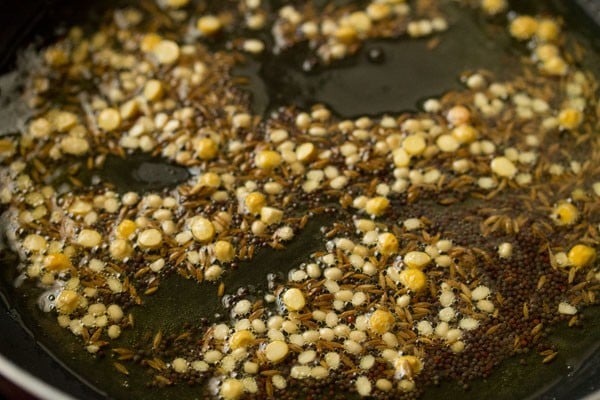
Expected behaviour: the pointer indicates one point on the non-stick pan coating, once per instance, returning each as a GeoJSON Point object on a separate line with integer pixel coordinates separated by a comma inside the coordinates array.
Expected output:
{"type": "Point", "coordinates": [23, 341]}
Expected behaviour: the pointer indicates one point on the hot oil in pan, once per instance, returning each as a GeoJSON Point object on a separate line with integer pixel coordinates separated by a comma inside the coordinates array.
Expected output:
{"type": "Point", "coordinates": [393, 87]}
{"type": "Point", "coordinates": [386, 76]}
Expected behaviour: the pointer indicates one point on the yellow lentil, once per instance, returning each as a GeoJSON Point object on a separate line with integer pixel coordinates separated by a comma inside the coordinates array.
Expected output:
{"type": "Point", "coordinates": [109, 119]}
{"type": "Point", "coordinates": [57, 262]}
{"type": "Point", "coordinates": [570, 118]}
{"type": "Point", "coordinates": [377, 206]}
{"type": "Point", "coordinates": [208, 25]}
{"type": "Point", "coordinates": [458, 115]}
{"type": "Point", "coordinates": [581, 255]}
{"type": "Point", "coordinates": [149, 42]}
{"type": "Point", "coordinates": [166, 52]}
{"type": "Point", "coordinates": [413, 279]}
{"type": "Point", "coordinates": [381, 321]}
{"type": "Point", "coordinates": [125, 229]}
{"type": "Point", "coordinates": [387, 243]}
{"type": "Point", "coordinates": [547, 30]}
{"type": "Point", "coordinates": [67, 301]}
{"type": "Point", "coordinates": [565, 213]}
{"type": "Point", "coordinates": [465, 133]}
{"type": "Point", "coordinates": [207, 149]}
{"type": "Point", "coordinates": [346, 34]}
{"type": "Point", "coordinates": [153, 90]}
{"type": "Point", "coordinates": [120, 249]}
{"type": "Point", "coordinates": [254, 202]}
{"type": "Point", "coordinates": [414, 144]}
{"type": "Point", "coordinates": [408, 366]}
{"type": "Point", "coordinates": [202, 229]}
{"type": "Point", "coordinates": [523, 27]}
{"type": "Point", "coordinates": [224, 251]}
{"type": "Point", "coordinates": [241, 339]}
{"type": "Point", "coordinates": [74, 145]}
{"type": "Point", "coordinates": [267, 159]}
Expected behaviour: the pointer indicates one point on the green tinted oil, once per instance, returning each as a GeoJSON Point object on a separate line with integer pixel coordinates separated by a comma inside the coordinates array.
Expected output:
{"type": "Point", "coordinates": [411, 71]}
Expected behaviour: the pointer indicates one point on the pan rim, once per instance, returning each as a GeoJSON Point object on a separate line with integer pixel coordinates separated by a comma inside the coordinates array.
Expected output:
{"type": "Point", "coordinates": [43, 390]}
{"type": "Point", "coordinates": [29, 382]}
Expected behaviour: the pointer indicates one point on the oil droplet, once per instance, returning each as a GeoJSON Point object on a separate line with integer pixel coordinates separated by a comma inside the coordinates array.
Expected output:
{"type": "Point", "coordinates": [47, 300]}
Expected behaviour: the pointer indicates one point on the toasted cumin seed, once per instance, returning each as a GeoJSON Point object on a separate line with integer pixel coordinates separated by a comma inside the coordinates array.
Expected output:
{"type": "Point", "coordinates": [121, 368]}
{"type": "Point", "coordinates": [541, 282]}
{"type": "Point", "coordinates": [572, 273]}
{"type": "Point", "coordinates": [85, 334]}
{"type": "Point", "coordinates": [96, 335]}
{"type": "Point", "coordinates": [573, 321]}
{"type": "Point", "coordinates": [493, 329]}
{"type": "Point", "coordinates": [161, 379]}
{"type": "Point", "coordinates": [157, 340]}
{"type": "Point", "coordinates": [578, 287]}
{"type": "Point", "coordinates": [270, 372]}
{"type": "Point", "coordinates": [549, 358]}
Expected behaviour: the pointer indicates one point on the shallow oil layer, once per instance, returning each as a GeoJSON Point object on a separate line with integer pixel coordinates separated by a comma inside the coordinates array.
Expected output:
{"type": "Point", "coordinates": [139, 173]}
{"type": "Point", "coordinates": [519, 377]}
{"type": "Point", "coordinates": [404, 72]}
{"type": "Point", "coordinates": [410, 73]}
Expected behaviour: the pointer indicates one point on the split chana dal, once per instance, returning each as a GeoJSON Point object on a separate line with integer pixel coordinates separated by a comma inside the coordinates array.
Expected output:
{"type": "Point", "coordinates": [461, 233]}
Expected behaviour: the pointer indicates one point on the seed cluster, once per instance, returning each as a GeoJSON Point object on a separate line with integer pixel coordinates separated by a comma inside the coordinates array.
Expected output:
{"type": "Point", "coordinates": [463, 232]}
{"type": "Point", "coordinates": [337, 34]}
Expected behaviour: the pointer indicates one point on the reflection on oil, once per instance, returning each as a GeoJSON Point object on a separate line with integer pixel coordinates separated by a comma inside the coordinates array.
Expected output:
{"type": "Point", "coordinates": [387, 75]}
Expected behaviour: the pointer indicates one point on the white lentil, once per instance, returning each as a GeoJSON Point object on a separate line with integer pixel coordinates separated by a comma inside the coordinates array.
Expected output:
{"type": "Point", "coordinates": [363, 386]}
{"type": "Point", "coordinates": [487, 182]}
{"type": "Point", "coordinates": [89, 238]}
{"type": "Point", "coordinates": [253, 46]}
{"type": "Point", "coordinates": [468, 324]}
{"type": "Point", "coordinates": [566, 309]}
{"type": "Point", "coordinates": [293, 299]}
{"type": "Point", "coordinates": [424, 328]}
{"type": "Point", "coordinates": [166, 52]}
{"type": "Point", "coordinates": [242, 307]}
{"type": "Point", "coordinates": [412, 224]}
{"type": "Point", "coordinates": [279, 382]}
{"type": "Point", "coordinates": [307, 356]}
{"type": "Point", "coordinates": [486, 306]}
{"type": "Point", "coordinates": [390, 339]}
{"type": "Point", "coordinates": [447, 143]}
{"type": "Point", "coordinates": [150, 238]}
{"type": "Point", "coordinates": [504, 167]}
{"type": "Point", "coordinates": [367, 362]}
{"type": "Point", "coordinates": [441, 329]}
{"type": "Point", "coordinates": [447, 298]}
{"type": "Point", "coordinates": [332, 360]}
{"type": "Point", "coordinates": [447, 314]}
{"type": "Point", "coordinates": [213, 356]}
{"type": "Point", "coordinates": [300, 372]}
{"type": "Point", "coordinates": [505, 250]}
{"type": "Point", "coordinates": [403, 301]}
{"type": "Point", "coordinates": [180, 365]}
{"type": "Point", "coordinates": [432, 106]}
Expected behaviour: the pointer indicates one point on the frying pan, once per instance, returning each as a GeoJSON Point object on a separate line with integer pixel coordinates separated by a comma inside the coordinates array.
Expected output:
{"type": "Point", "coordinates": [36, 361]}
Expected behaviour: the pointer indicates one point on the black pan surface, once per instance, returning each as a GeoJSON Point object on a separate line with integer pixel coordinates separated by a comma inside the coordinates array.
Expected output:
{"type": "Point", "coordinates": [29, 339]}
